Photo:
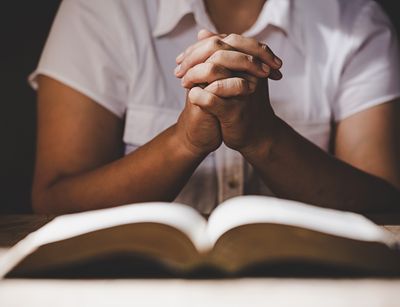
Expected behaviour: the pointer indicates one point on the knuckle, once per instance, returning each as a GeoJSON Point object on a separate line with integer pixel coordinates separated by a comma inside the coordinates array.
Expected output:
{"type": "Point", "coordinates": [210, 44]}
{"type": "Point", "coordinates": [189, 78]}
{"type": "Point", "coordinates": [219, 86]}
{"type": "Point", "coordinates": [190, 72]}
{"type": "Point", "coordinates": [218, 55]}
{"type": "Point", "coordinates": [212, 69]}
{"type": "Point", "coordinates": [214, 43]}
{"type": "Point", "coordinates": [233, 38]}
{"type": "Point", "coordinates": [265, 50]}
{"type": "Point", "coordinates": [192, 94]}
{"type": "Point", "coordinates": [253, 41]}
{"type": "Point", "coordinates": [249, 60]}
{"type": "Point", "coordinates": [253, 63]}
{"type": "Point", "coordinates": [209, 101]}
{"type": "Point", "coordinates": [184, 65]}
{"type": "Point", "coordinates": [261, 50]}
{"type": "Point", "coordinates": [241, 86]}
{"type": "Point", "coordinates": [217, 71]}
{"type": "Point", "coordinates": [262, 45]}
{"type": "Point", "coordinates": [213, 38]}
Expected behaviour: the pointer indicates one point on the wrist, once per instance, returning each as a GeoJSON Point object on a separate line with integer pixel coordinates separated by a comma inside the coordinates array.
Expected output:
{"type": "Point", "coordinates": [262, 147]}
{"type": "Point", "coordinates": [183, 148]}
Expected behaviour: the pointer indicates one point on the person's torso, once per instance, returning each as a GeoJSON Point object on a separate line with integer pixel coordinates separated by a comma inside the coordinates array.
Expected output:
{"type": "Point", "coordinates": [303, 98]}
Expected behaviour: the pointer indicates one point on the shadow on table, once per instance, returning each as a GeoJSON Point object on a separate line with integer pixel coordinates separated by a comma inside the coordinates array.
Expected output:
{"type": "Point", "coordinates": [121, 267]}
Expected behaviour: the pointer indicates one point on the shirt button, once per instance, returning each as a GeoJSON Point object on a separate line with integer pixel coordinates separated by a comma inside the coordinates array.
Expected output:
{"type": "Point", "coordinates": [233, 183]}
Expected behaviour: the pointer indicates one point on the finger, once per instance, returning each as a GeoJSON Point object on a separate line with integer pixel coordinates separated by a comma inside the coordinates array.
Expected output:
{"type": "Point", "coordinates": [253, 47]}
{"type": "Point", "coordinates": [231, 87]}
{"type": "Point", "coordinates": [206, 100]}
{"type": "Point", "coordinates": [201, 35]}
{"type": "Point", "coordinates": [253, 81]}
{"type": "Point", "coordinates": [199, 53]}
{"type": "Point", "coordinates": [204, 73]}
{"type": "Point", "coordinates": [275, 75]}
{"type": "Point", "coordinates": [204, 33]}
{"type": "Point", "coordinates": [238, 61]}
{"type": "Point", "coordinates": [240, 43]}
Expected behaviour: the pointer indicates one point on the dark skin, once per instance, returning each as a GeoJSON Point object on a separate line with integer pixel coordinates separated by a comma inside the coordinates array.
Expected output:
{"type": "Point", "coordinates": [288, 163]}
{"type": "Point", "coordinates": [80, 167]}
{"type": "Point", "coordinates": [235, 16]}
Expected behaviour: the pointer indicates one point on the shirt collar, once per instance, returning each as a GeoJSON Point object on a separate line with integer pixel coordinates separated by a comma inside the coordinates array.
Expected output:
{"type": "Point", "coordinates": [170, 12]}
{"type": "Point", "coordinates": [274, 12]}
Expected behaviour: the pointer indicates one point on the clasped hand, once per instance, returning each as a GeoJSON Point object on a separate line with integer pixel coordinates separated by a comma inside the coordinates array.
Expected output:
{"type": "Point", "coordinates": [226, 77]}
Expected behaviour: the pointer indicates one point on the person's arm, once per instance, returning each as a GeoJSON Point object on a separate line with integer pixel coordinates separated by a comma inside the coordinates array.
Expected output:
{"type": "Point", "coordinates": [365, 174]}
{"type": "Point", "coordinates": [363, 177]}
{"type": "Point", "coordinates": [294, 168]}
{"type": "Point", "coordinates": [79, 164]}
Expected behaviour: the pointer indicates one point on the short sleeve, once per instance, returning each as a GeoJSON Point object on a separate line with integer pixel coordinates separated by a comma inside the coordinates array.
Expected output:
{"type": "Point", "coordinates": [371, 73]}
{"type": "Point", "coordinates": [86, 50]}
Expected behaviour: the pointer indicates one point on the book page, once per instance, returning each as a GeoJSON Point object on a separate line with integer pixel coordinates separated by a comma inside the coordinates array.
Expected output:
{"type": "Point", "coordinates": [182, 217]}
{"type": "Point", "coordinates": [244, 210]}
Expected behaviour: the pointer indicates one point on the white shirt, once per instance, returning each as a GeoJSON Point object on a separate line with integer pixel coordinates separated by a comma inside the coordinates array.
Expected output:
{"type": "Point", "coordinates": [340, 57]}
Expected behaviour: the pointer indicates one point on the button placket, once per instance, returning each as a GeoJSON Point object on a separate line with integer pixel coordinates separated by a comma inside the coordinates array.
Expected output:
{"type": "Point", "coordinates": [230, 173]}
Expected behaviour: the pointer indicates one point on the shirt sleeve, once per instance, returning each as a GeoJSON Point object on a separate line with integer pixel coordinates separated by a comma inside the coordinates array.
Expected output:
{"type": "Point", "coordinates": [87, 51]}
{"type": "Point", "coordinates": [371, 73]}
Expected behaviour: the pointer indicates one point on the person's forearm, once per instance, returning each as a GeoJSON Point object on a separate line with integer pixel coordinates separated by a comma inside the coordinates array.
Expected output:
{"type": "Point", "coordinates": [294, 168]}
{"type": "Point", "coordinates": [156, 171]}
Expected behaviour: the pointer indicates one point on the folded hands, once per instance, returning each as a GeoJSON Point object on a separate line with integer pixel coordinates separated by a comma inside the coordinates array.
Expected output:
{"type": "Point", "coordinates": [226, 77]}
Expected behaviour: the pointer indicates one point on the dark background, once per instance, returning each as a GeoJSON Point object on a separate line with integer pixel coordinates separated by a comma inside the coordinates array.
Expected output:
{"type": "Point", "coordinates": [24, 26]}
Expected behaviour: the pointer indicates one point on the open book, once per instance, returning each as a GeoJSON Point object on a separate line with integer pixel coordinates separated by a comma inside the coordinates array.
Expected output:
{"type": "Point", "coordinates": [241, 233]}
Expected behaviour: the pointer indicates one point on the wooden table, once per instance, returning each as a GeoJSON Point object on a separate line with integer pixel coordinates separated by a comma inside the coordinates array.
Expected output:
{"type": "Point", "coordinates": [321, 292]}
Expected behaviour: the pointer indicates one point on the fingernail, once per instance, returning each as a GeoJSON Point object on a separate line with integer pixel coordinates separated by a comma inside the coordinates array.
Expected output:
{"type": "Point", "coordinates": [275, 75]}
{"type": "Point", "coordinates": [179, 58]}
{"type": "Point", "coordinates": [265, 68]}
{"type": "Point", "coordinates": [177, 69]}
{"type": "Point", "coordinates": [278, 61]}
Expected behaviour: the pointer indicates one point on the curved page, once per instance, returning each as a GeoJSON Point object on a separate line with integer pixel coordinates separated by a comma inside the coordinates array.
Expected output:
{"type": "Point", "coordinates": [182, 217]}
{"type": "Point", "coordinates": [244, 210]}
